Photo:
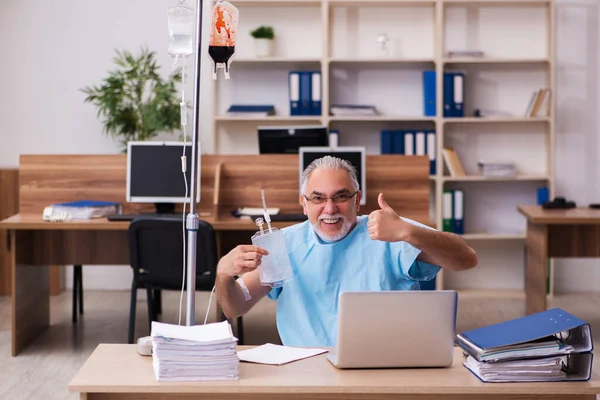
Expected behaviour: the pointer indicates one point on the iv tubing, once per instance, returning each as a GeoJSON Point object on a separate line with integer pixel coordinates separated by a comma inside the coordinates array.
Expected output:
{"type": "Point", "coordinates": [265, 213]}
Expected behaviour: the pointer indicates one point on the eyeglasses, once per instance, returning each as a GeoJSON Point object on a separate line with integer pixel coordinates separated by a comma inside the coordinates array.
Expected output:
{"type": "Point", "coordinates": [338, 198]}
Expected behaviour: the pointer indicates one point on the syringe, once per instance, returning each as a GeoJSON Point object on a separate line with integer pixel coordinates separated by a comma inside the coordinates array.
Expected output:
{"type": "Point", "coordinates": [265, 213]}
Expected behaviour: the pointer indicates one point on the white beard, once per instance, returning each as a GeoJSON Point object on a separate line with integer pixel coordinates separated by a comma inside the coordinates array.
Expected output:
{"type": "Point", "coordinates": [346, 226]}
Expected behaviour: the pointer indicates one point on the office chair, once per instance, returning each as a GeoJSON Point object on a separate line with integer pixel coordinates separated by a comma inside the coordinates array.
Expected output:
{"type": "Point", "coordinates": [156, 256]}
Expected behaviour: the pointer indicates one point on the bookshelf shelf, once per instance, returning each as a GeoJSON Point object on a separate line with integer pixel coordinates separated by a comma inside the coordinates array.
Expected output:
{"type": "Point", "coordinates": [275, 60]}
{"type": "Point", "coordinates": [278, 3]}
{"type": "Point", "coordinates": [274, 118]}
{"type": "Point", "coordinates": [487, 120]}
{"type": "Point", "coordinates": [383, 60]}
{"type": "Point", "coordinates": [380, 118]}
{"type": "Point", "coordinates": [487, 60]}
{"type": "Point", "coordinates": [480, 178]}
{"type": "Point", "coordinates": [386, 3]}
{"type": "Point", "coordinates": [511, 3]}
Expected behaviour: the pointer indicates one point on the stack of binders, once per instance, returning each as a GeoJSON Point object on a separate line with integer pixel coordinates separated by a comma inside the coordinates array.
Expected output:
{"type": "Point", "coordinates": [304, 89]}
{"type": "Point", "coordinates": [194, 353]}
{"type": "Point", "coordinates": [410, 143]}
{"type": "Point", "coordinates": [453, 93]}
{"type": "Point", "coordinates": [550, 346]}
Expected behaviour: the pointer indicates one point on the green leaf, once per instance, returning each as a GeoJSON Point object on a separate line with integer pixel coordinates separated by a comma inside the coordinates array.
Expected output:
{"type": "Point", "coordinates": [133, 101]}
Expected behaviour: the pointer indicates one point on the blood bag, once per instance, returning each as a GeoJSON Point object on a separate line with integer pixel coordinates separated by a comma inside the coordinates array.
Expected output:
{"type": "Point", "coordinates": [181, 29]}
{"type": "Point", "coordinates": [221, 45]}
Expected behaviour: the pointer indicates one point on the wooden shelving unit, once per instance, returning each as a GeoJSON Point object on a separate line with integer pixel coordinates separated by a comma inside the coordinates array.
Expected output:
{"type": "Point", "coordinates": [338, 39]}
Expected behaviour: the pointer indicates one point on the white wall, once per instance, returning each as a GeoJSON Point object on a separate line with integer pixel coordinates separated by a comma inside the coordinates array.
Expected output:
{"type": "Point", "coordinates": [578, 124]}
{"type": "Point", "coordinates": [52, 49]}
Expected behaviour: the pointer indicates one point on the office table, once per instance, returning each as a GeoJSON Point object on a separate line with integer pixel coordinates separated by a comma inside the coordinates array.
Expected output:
{"type": "Point", "coordinates": [117, 371]}
{"type": "Point", "coordinates": [555, 233]}
{"type": "Point", "coordinates": [36, 244]}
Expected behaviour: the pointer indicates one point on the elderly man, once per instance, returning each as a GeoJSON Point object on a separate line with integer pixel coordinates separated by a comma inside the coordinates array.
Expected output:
{"type": "Point", "coordinates": [335, 251]}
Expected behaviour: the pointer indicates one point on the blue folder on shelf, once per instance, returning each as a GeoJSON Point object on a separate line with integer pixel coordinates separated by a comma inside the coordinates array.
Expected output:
{"type": "Point", "coordinates": [315, 93]}
{"type": "Point", "coordinates": [305, 92]}
{"type": "Point", "coordinates": [429, 93]}
{"type": "Point", "coordinates": [294, 92]}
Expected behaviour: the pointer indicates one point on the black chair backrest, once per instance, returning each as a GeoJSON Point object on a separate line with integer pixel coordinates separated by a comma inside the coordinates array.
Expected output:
{"type": "Point", "coordinates": [157, 253]}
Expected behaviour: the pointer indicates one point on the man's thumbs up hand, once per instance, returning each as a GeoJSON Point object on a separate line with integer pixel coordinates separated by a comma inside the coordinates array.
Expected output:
{"type": "Point", "coordinates": [383, 204]}
{"type": "Point", "coordinates": [384, 224]}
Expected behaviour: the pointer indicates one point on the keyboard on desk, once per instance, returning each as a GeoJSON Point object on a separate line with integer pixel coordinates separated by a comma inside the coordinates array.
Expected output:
{"type": "Point", "coordinates": [131, 217]}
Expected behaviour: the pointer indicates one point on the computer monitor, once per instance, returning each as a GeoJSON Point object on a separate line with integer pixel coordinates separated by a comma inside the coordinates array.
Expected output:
{"type": "Point", "coordinates": [154, 174]}
{"type": "Point", "coordinates": [354, 155]}
{"type": "Point", "coordinates": [288, 139]}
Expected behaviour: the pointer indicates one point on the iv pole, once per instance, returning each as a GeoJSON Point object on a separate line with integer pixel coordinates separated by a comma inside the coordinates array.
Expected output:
{"type": "Point", "coordinates": [192, 220]}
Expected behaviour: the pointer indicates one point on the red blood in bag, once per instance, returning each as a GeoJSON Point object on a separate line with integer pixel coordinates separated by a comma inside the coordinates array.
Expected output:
{"type": "Point", "coordinates": [221, 54]}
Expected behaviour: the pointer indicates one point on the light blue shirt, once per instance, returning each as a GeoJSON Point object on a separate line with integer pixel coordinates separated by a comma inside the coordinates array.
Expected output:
{"type": "Point", "coordinates": [307, 306]}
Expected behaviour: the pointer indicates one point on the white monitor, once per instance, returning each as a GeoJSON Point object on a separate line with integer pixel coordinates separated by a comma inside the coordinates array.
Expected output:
{"type": "Point", "coordinates": [154, 173]}
{"type": "Point", "coordinates": [354, 155]}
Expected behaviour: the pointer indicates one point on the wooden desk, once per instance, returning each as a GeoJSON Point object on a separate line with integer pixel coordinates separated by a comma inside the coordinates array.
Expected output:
{"type": "Point", "coordinates": [555, 233]}
{"type": "Point", "coordinates": [116, 371]}
{"type": "Point", "coordinates": [36, 244]}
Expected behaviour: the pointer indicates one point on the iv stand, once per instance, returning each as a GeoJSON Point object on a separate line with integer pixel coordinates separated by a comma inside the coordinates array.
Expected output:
{"type": "Point", "coordinates": [192, 220]}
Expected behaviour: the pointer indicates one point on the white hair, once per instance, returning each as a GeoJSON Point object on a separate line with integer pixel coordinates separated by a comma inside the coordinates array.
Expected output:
{"type": "Point", "coordinates": [331, 163]}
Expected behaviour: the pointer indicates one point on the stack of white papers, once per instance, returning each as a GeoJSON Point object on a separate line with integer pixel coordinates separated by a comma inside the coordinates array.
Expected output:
{"type": "Point", "coordinates": [525, 370]}
{"type": "Point", "coordinates": [194, 353]}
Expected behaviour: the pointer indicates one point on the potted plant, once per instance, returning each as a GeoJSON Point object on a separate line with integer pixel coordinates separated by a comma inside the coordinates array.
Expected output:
{"type": "Point", "coordinates": [263, 40]}
{"type": "Point", "coordinates": [134, 101]}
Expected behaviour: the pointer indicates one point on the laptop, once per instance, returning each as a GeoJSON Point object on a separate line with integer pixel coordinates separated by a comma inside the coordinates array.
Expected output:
{"type": "Point", "coordinates": [395, 329]}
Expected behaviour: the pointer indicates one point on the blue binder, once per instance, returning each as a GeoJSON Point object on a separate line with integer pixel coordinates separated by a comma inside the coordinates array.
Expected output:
{"type": "Point", "coordinates": [403, 142]}
{"type": "Point", "coordinates": [305, 92]}
{"type": "Point", "coordinates": [315, 107]}
{"type": "Point", "coordinates": [498, 342]}
{"type": "Point", "coordinates": [429, 103]}
{"type": "Point", "coordinates": [454, 94]}
{"type": "Point", "coordinates": [458, 90]}
{"type": "Point", "coordinates": [398, 141]}
{"type": "Point", "coordinates": [431, 151]}
{"type": "Point", "coordinates": [448, 94]}
{"type": "Point", "coordinates": [294, 92]}
{"type": "Point", "coordinates": [387, 142]}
